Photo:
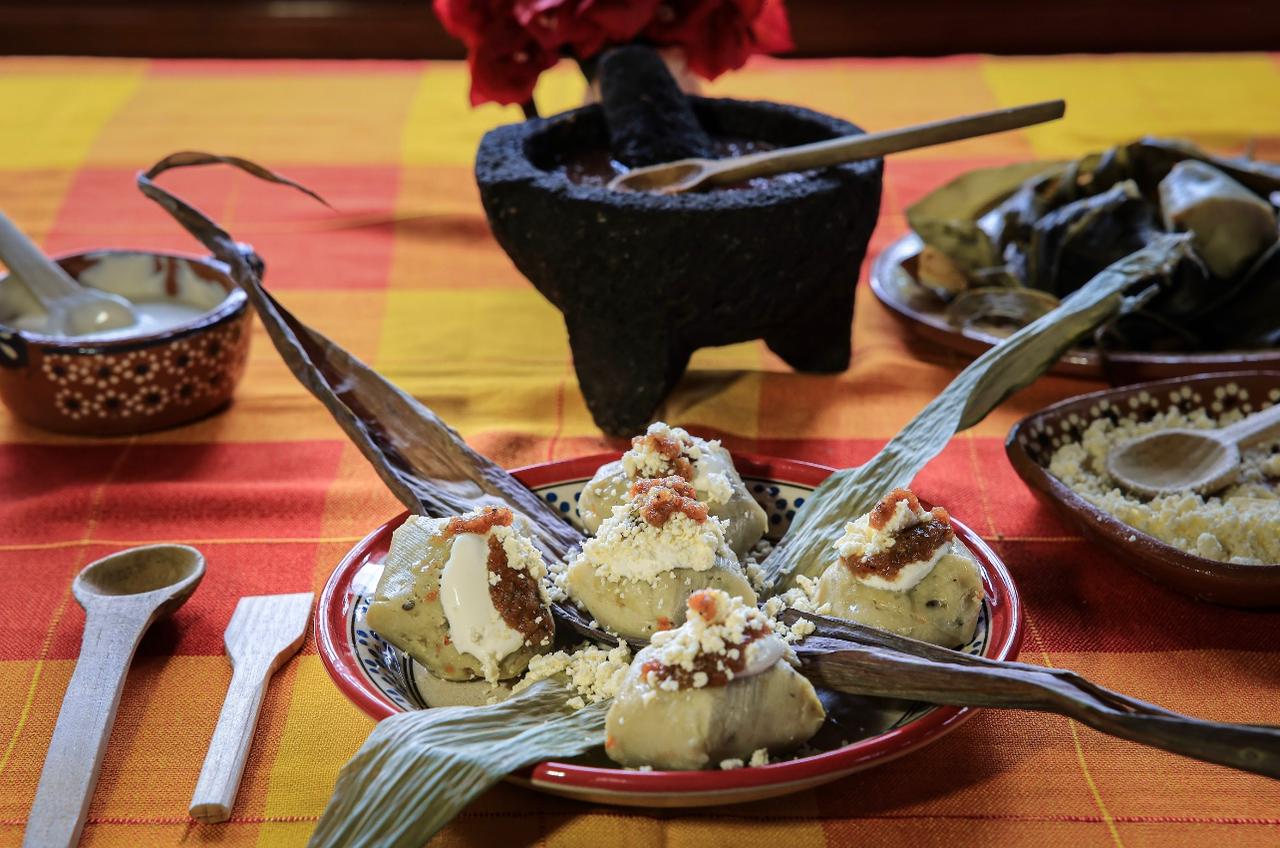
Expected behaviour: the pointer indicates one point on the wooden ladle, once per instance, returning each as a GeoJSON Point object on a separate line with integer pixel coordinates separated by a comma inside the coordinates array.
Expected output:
{"type": "Point", "coordinates": [690, 174]}
{"type": "Point", "coordinates": [1201, 461]}
{"type": "Point", "coordinates": [122, 595]}
{"type": "Point", "coordinates": [74, 310]}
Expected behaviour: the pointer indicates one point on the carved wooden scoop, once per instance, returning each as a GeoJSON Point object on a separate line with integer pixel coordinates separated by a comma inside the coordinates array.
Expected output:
{"type": "Point", "coordinates": [1201, 461]}
{"type": "Point", "coordinates": [691, 174]}
{"type": "Point", "coordinates": [122, 595]}
{"type": "Point", "coordinates": [264, 632]}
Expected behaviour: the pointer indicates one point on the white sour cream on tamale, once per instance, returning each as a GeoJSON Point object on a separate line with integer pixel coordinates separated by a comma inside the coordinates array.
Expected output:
{"type": "Point", "coordinates": [475, 625]}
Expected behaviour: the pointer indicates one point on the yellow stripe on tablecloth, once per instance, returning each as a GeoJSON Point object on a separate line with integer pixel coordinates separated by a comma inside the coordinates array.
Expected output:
{"type": "Point", "coordinates": [276, 119]}
{"type": "Point", "coordinates": [1219, 101]}
{"type": "Point", "coordinates": [31, 198]}
{"type": "Point", "coordinates": [880, 95]}
{"type": "Point", "coordinates": [680, 828]}
{"type": "Point", "coordinates": [443, 128]}
{"type": "Point", "coordinates": [50, 117]}
{"type": "Point", "coordinates": [321, 732]}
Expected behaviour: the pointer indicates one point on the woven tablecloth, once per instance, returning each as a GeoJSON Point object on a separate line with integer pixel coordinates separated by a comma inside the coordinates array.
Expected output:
{"type": "Point", "coordinates": [406, 275]}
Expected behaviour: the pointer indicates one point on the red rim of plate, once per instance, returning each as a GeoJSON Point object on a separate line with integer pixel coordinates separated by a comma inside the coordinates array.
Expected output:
{"type": "Point", "coordinates": [1004, 636]}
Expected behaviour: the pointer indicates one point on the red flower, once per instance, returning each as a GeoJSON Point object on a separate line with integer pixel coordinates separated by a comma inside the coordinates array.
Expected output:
{"type": "Point", "coordinates": [468, 20]}
{"type": "Point", "coordinates": [584, 26]}
{"type": "Point", "coordinates": [505, 65]}
{"type": "Point", "coordinates": [511, 42]}
{"type": "Point", "coordinates": [720, 35]}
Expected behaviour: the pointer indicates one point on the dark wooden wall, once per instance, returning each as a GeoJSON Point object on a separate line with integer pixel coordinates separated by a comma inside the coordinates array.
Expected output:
{"type": "Point", "coordinates": [407, 28]}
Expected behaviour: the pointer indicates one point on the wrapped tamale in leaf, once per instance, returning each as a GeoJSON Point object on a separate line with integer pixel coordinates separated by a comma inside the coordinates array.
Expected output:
{"type": "Point", "coordinates": [1074, 242]}
{"type": "Point", "coordinates": [1230, 225]}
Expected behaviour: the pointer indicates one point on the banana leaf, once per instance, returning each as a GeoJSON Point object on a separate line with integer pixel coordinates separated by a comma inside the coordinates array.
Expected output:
{"type": "Point", "coordinates": [807, 548]}
{"type": "Point", "coordinates": [419, 769]}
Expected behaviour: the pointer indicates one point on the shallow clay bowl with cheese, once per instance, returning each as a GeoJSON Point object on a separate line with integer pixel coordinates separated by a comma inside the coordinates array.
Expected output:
{"type": "Point", "coordinates": [1033, 440]}
{"type": "Point", "coordinates": [132, 382]}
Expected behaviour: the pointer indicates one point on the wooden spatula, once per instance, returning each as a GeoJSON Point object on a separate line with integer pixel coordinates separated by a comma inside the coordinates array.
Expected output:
{"type": "Point", "coordinates": [264, 632]}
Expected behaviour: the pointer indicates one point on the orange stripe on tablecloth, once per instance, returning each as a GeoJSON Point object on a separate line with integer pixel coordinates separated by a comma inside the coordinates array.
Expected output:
{"type": "Point", "coordinates": [125, 543]}
{"type": "Point", "coordinates": [95, 503]}
{"type": "Point", "coordinates": [1075, 738]}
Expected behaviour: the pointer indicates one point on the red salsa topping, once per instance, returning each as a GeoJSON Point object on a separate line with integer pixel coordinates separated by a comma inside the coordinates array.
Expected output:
{"type": "Point", "coordinates": [672, 450]}
{"type": "Point", "coordinates": [666, 497]}
{"type": "Point", "coordinates": [889, 505]}
{"type": "Point", "coordinates": [717, 667]}
{"type": "Point", "coordinates": [910, 544]}
{"type": "Point", "coordinates": [516, 598]}
{"type": "Point", "coordinates": [481, 523]}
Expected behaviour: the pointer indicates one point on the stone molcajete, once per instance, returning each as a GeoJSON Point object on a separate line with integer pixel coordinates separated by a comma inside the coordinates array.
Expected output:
{"type": "Point", "coordinates": [645, 279]}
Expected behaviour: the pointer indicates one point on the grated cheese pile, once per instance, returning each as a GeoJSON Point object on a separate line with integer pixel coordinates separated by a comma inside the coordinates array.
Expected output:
{"type": "Point", "coordinates": [595, 672]}
{"type": "Point", "coordinates": [717, 626]}
{"type": "Point", "coordinates": [1240, 524]}
{"type": "Point", "coordinates": [627, 547]}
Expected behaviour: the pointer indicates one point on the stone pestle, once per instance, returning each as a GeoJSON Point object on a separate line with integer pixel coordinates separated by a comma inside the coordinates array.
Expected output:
{"type": "Point", "coordinates": [650, 119]}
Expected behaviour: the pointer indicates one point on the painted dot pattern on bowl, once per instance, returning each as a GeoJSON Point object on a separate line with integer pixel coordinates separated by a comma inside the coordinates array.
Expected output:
{"type": "Point", "coordinates": [147, 381]}
{"type": "Point", "coordinates": [1043, 437]}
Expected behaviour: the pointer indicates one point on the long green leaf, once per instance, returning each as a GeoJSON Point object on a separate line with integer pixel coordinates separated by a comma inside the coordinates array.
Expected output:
{"type": "Point", "coordinates": [988, 380]}
{"type": "Point", "coordinates": [418, 770]}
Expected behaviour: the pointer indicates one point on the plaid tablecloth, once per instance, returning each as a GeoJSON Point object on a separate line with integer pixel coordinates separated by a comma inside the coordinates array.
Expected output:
{"type": "Point", "coordinates": [407, 276]}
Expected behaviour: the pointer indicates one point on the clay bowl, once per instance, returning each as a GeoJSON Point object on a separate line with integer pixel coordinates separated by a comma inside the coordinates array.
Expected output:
{"type": "Point", "coordinates": [643, 279]}
{"type": "Point", "coordinates": [1032, 441]}
{"type": "Point", "coordinates": [131, 384]}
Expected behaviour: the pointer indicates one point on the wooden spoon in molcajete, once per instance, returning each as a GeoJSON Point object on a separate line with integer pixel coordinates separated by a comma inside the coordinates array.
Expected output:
{"type": "Point", "coordinates": [690, 174]}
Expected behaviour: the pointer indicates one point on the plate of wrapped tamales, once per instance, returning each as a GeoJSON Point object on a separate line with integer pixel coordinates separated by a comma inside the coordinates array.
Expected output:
{"type": "Point", "coordinates": [996, 248]}
{"type": "Point", "coordinates": [707, 702]}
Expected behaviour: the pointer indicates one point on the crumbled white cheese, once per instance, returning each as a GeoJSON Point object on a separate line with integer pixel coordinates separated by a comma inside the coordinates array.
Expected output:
{"type": "Point", "coordinates": [751, 565]}
{"type": "Point", "coordinates": [596, 673]}
{"type": "Point", "coordinates": [627, 547]}
{"type": "Point", "coordinates": [1236, 525]}
{"type": "Point", "coordinates": [759, 757]}
{"type": "Point", "coordinates": [729, 765]}
{"type": "Point", "coordinates": [717, 625]}
{"type": "Point", "coordinates": [801, 598]}
{"type": "Point", "coordinates": [711, 471]}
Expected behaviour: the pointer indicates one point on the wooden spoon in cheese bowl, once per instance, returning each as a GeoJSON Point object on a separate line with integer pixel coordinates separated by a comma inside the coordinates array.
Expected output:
{"type": "Point", "coordinates": [1201, 461]}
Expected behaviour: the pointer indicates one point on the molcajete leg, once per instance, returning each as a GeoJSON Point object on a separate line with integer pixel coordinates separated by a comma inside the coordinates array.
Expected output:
{"type": "Point", "coordinates": [625, 369]}
{"type": "Point", "coordinates": [819, 337]}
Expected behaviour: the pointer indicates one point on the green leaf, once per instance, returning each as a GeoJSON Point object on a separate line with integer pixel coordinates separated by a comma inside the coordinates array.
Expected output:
{"type": "Point", "coordinates": [1018, 360]}
{"type": "Point", "coordinates": [948, 217]}
{"type": "Point", "coordinates": [418, 770]}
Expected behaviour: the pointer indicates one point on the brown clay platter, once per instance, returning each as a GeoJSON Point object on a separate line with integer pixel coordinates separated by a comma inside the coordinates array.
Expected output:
{"type": "Point", "coordinates": [895, 284]}
{"type": "Point", "coordinates": [1032, 441]}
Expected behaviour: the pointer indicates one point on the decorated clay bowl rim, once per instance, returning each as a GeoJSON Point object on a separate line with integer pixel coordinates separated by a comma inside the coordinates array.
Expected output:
{"type": "Point", "coordinates": [1104, 524]}
{"type": "Point", "coordinates": [618, 785]}
{"type": "Point", "coordinates": [234, 303]}
{"type": "Point", "coordinates": [521, 135]}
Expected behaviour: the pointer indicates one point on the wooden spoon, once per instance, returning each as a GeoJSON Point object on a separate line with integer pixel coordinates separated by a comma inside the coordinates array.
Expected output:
{"type": "Point", "coordinates": [690, 174]}
{"type": "Point", "coordinates": [1201, 461]}
{"type": "Point", "coordinates": [264, 632]}
{"type": "Point", "coordinates": [122, 595]}
{"type": "Point", "coordinates": [74, 310]}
